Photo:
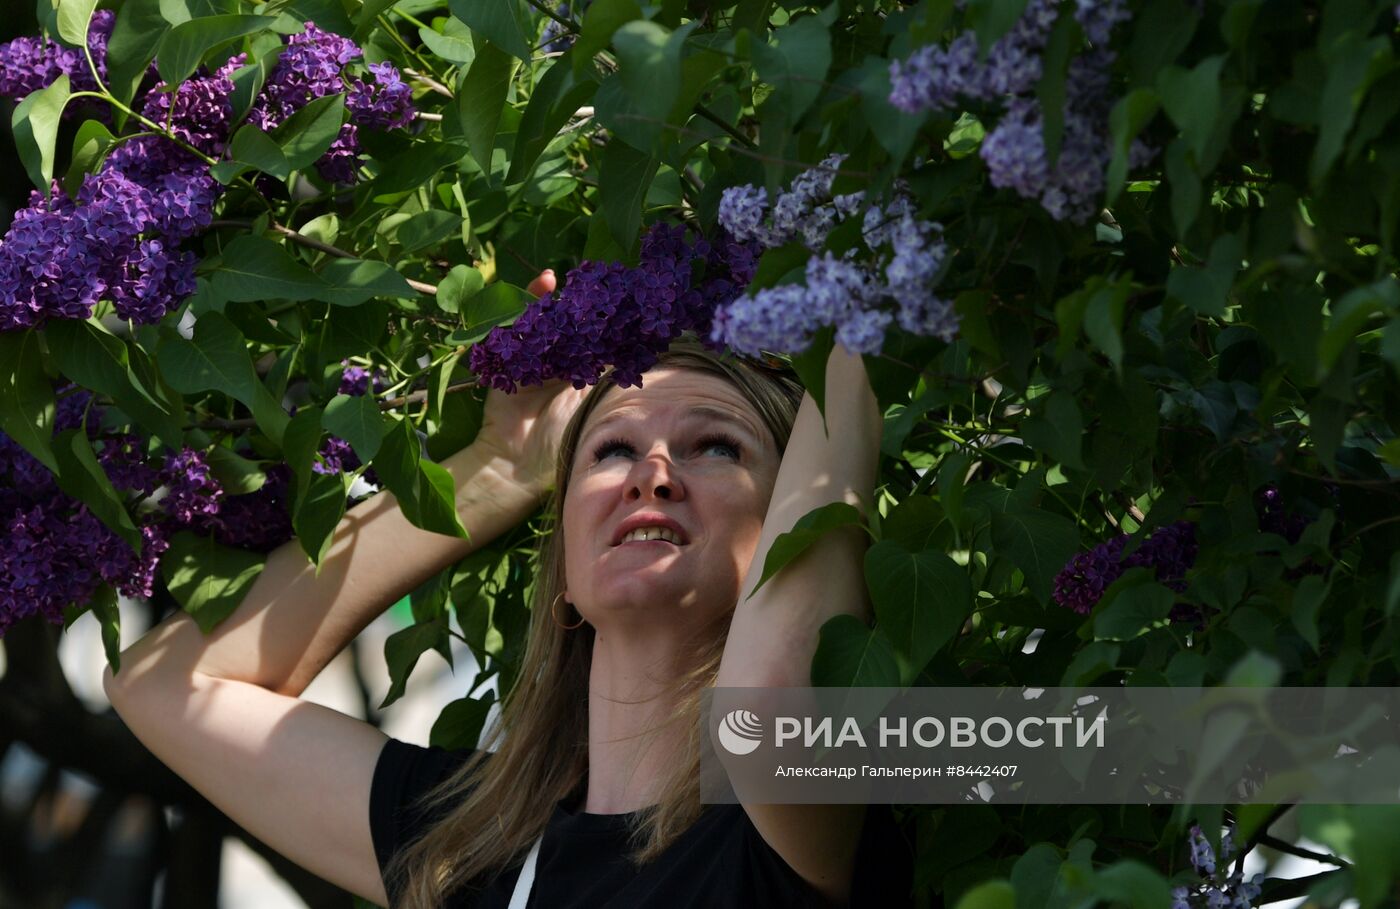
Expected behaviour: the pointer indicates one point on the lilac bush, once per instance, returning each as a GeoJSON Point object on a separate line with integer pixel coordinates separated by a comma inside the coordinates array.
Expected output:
{"type": "Point", "coordinates": [905, 257]}
{"type": "Point", "coordinates": [936, 78]}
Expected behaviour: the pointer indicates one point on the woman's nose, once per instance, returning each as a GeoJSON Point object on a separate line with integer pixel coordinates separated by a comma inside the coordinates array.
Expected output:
{"type": "Point", "coordinates": [655, 476]}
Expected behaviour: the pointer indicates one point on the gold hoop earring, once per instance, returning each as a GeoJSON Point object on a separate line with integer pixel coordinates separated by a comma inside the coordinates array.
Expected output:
{"type": "Point", "coordinates": [556, 618]}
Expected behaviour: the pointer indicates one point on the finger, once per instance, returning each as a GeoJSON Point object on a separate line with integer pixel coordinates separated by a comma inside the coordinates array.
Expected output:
{"type": "Point", "coordinates": [544, 284]}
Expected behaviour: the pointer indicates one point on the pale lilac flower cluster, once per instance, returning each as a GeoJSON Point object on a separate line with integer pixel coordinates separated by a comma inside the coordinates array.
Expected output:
{"type": "Point", "coordinates": [555, 39]}
{"type": "Point", "coordinates": [938, 78]}
{"type": "Point", "coordinates": [906, 259]}
{"type": "Point", "coordinates": [1217, 891]}
{"type": "Point", "coordinates": [29, 64]}
{"type": "Point", "coordinates": [1170, 550]}
{"type": "Point", "coordinates": [610, 314]}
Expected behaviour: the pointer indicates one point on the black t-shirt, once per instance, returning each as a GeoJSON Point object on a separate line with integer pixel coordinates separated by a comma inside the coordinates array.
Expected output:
{"type": "Point", "coordinates": [721, 861]}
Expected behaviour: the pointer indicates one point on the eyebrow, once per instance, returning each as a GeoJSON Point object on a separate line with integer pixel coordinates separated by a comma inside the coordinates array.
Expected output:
{"type": "Point", "coordinates": [696, 410]}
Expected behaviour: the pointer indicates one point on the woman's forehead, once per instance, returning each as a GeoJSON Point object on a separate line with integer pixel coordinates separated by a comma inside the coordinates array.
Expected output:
{"type": "Point", "coordinates": [682, 391]}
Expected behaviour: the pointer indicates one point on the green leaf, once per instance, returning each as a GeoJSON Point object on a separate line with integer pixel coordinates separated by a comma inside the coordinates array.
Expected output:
{"type": "Point", "coordinates": [415, 166]}
{"type": "Point", "coordinates": [319, 506]}
{"type": "Point", "coordinates": [1065, 36]}
{"type": "Point", "coordinates": [82, 477]}
{"type": "Point", "coordinates": [459, 286]}
{"type": "Point", "coordinates": [1037, 542]}
{"type": "Point", "coordinates": [459, 725]}
{"type": "Point", "coordinates": [1129, 882]}
{"type": "Point", "coordinates": [1129, 116]}
{"type": "Point", "coordinates": [1192, 100]}
{"type": "Point", "coordinates": [1311, 593]}
{"type": "Point", "coordinates": [496, 304]}
{"type": "Point", "coordinates": [103, 605]}
{"type": "Point", "coordinates": [850, 655]}
{"type": "Point", "coordinates": [136, 33]}
{"type": "Point", "coordinates": [208, 579]}
{"type": "Point", "coordinates": [649, 62]}
{"type": "Point", "coordinates": [73, 19]}
{"type": "Point", "coordinates": [351, 282]}
{"type": "Point", "coordinates": [795, 62]}
{"type": "Point", "coordinates": [309, 132]}
{"type": "Point", "coordinates": [1131, 606]}
{"type": "Point", "coordinates": [1103, 319]}
{"type": "Point", "coordinates": [557, 95]}
{"type": "Point", "coordinates": [89, 145]}
{"type": "Point", "coordinates": [623, 181]}
{"type": "Point", "coordinates": [921, 600]}
{"type": "Point", "coordinates": [989, 895]}
{"type": "Point", "coordinates": [1056, 427]}
{"type": "Point", "coordinates": [428, 228]}
{"type": "Point", "coordinates": [601, 20]}
{"type": "Point", "coordinates": [504, 23]}
{"type": "Point", "coordinates": [34, 124]}
{"type": "Point", "coordinates": [403, 648]}
{"type": "Point", "coordinates": [809, 528]}
{"type": "Point", "coordinates": [355, 418]}
{"type": "Point", "coordinates": [255, 148]}
{"type": "Point", "coordinates": [236, 474]}
{"type": "Point", "coordinates": [185, 45]}
{"type": "Point", "coordinates": [452, 48]}
{"type": "Point", "coordinates": [1353, 65]}
{"type": "Point", "coordinates": [425, 492]}
{"type": "Point", "coordinates": [94, 358]}
{"type": "Point", "coordinates": [481, 99]}
{"type": "Point", "coordinates": [26, 397]}
{"type": "Point", "coordinates": [1206, 290]}
{"type": "Point", "coordinates": [217, 359]}
{"type": "Point", "coordinates": [254, 269]}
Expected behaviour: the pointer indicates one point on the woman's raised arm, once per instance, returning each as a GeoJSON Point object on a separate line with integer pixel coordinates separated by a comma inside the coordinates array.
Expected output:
{"type": "Point", "coordinates": [773, 635]}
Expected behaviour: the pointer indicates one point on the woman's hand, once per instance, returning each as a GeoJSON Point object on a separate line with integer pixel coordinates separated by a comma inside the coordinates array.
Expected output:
{"type": "Point", "coordinates": [524, 428]}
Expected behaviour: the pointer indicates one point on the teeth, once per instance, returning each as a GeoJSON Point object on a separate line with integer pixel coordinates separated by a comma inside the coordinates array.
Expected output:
{"type": "Point", "coordinates": [653, 533]}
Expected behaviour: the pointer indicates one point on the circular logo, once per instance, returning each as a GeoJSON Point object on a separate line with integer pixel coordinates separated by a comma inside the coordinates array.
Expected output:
{"type": "Point", "coordinates": [740, 732]}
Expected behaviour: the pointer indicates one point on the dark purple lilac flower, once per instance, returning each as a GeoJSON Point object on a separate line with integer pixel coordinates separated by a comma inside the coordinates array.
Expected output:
{"type": "Point", "coordinates": [200, 110]}
{"type": "Point", "coordinates": [259, 521]}
{"type": "Point", "coordinates": [607, 314]}
{"type": "Point", "coordinates": [556, 39]}
{"type": "Point", "coordinates": [1170, 549]}
{"type": "Point", "coordinates": [192, 491]}
{"type": "Point", "coordinates": [29, 64]}
{"type": "Point", "coordinates": [355, 380]}
{"type": "Point", "coordinates": [313, 66]}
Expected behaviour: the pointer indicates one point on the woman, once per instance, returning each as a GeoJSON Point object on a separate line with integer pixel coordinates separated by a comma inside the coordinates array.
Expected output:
{"type": "Point", "coordinates": [600, 736]}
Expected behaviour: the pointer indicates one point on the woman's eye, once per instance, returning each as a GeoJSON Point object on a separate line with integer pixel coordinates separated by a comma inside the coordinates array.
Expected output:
{"type": "Point", "coordinates": [608, 447]}
{"type": "Point", "coordinates": [730, 446]}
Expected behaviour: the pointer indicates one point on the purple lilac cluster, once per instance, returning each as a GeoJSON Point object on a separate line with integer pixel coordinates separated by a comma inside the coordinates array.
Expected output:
{"type": "Point", "coordinates": [1171, 550]}
{"type": "Point", "coordinates": [556, 39]}
{"type": "Point", "coordinates": [29, 64]}
{"type": "Point", "coordinates": [937, 78]}
{"type": "Point", "coordinates": [313, 66]}
{"type": "Point", "coordinates": [610, 314]}
{"type": "Point", "coordinates": [906, 257]}
{"type": "Point", "coordinates": [1216, 891]}
{"type": "Point", "coordinates": [355, 380]}
{"type": "Point", "coordinates": [1277, 516]}
{"type": "Point", "coordinates": [120, 238]}
{"type": "Point", "coordinates": [55, 552]}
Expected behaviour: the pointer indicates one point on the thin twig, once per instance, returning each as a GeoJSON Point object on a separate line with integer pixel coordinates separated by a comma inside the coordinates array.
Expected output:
{"type": "Point", "coordinates": [1279, 845]}
{"type": "Point", "coordinates": [312, 243]}
{"type": "Point", "coordinates": [429, 81]}
{"type": "Point", "coordinates": [714, 118]}
{"type": "Point", "coordinates": [386, 404]}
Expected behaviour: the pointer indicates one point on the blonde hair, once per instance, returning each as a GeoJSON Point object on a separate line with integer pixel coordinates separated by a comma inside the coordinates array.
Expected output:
{"type": "Point", "coordinates": [498, 802]}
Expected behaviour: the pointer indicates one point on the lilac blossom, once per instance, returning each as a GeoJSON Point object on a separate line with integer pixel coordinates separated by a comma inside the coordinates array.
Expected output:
{"type": "Point", "coordinates": [30, 64]}
{"type": "Point", "coordinates": [1170, 550]}
{"type": "Point", "coordinates": [192, 491]}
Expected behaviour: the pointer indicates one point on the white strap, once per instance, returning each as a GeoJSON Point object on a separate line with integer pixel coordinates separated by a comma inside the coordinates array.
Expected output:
{"type": "Point", "coordinates": [526, 881]}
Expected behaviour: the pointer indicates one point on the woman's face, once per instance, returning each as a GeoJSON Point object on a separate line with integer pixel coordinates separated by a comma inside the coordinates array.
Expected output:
{"type": "Point", "coordinates": [686, 446]}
